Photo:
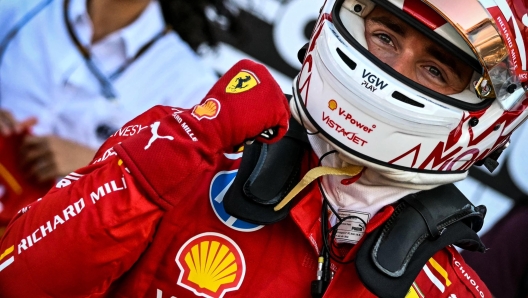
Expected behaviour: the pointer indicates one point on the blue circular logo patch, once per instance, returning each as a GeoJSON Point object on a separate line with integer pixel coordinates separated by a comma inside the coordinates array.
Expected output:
{"type": "Point", "coordinates": [219, 186]}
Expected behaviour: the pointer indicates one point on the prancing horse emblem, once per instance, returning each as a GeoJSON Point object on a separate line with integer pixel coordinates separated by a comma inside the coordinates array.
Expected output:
{"type": "Point", "coordinates": [245, 80]}
{"type": "Point", "coordinates": [154, 129]}
{"type": "Point", "coordinates": [241, 81]}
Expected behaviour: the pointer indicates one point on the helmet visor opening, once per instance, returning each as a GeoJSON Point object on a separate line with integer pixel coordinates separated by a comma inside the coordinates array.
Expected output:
{"type": "Point", "coordinates": [475, 89]}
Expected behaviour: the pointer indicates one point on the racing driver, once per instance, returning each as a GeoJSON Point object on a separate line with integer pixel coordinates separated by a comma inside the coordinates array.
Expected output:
{"type": "Point", "coordinates": [344, 191]}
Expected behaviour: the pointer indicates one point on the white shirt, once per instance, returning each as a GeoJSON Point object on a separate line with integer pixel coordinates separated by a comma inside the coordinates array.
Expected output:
{"type": "Point", "coordinates": [43, 74]}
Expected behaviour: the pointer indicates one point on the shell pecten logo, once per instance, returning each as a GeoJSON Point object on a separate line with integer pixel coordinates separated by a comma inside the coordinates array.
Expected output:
{"type": "Point", "coordinates": [211, 264]}
{"type": "Point", "coordinates": [208, 110]}
{"type": "Point", "coordinates": [332, 104]}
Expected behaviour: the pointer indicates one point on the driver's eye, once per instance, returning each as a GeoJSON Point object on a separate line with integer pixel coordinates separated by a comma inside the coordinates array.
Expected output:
{"type": "Point", "coordinates": [384, 38]}
{"type": "Point", "coordinates": [434, 71]}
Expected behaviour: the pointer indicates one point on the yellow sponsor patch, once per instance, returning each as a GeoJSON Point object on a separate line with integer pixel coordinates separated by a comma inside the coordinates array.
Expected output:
{"type": "Point", "coordinates": [414, 292]}
{"type": "Point", "coordinates": [211, 265]}
{"type": "Point", "coordinates": [242, 82]}
{"type": "Point", "coordinates": [332, 105]}
{"type": "Point", "coordinates": [208, 110]}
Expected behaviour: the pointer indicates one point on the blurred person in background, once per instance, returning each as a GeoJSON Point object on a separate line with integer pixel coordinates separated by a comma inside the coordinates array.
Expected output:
{"type": "Point", "coordinates": [74, 71]}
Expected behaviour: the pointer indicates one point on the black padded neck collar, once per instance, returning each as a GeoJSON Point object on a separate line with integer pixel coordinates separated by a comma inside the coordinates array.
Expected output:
{"type": "Point", "coordinates": [422, 224]}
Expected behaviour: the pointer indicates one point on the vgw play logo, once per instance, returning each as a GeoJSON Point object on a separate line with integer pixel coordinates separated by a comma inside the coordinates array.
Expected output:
{"type": "Point", "coordinates": [219, 186]}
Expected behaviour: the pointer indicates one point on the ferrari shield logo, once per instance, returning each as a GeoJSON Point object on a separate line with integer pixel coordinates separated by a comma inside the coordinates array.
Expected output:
{"type": "Point", "coordinates": [242, 82]}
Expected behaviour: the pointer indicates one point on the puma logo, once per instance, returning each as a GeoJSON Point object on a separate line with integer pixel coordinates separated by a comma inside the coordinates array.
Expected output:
{"type": "Point", "coordinates": [154, 130]}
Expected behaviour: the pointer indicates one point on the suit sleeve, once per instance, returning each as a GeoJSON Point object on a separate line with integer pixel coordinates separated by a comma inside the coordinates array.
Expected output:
{"type": "Point", "coordinates": [95, 223]}
{"type": "Point", "coordinates": [130, 129]}
{"type": "Point", "coordinates": [80, 237]}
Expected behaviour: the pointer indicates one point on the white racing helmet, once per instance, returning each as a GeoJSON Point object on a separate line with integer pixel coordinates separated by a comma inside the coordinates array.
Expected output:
{"type": "Point", "coordinates": [377, 117]}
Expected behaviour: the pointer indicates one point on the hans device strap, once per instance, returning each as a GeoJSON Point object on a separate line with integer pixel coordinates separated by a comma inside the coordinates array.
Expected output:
{"type": "Point", "coordinates": [266, 174]}
{"type": "Point", "coordinates": [390, 258]}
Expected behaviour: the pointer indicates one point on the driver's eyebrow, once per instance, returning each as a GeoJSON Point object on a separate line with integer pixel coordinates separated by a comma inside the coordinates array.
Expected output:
{"type": "Point", "coordinates": [445, 59]}
{"type": "Point", "coordinates": [390, 24]}
{"type": "Point", "coordinates": [438, 53]}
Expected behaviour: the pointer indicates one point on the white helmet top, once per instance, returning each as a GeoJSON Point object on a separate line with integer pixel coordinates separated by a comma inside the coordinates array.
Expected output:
{"type": "Point", "coordinates": [377, 117]}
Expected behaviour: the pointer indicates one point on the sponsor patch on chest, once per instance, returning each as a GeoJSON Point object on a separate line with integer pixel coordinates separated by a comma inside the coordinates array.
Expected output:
{"type": "Point", "coordinates": [211, 265]}
{"type": "Point", "coordinates": [219, 186]}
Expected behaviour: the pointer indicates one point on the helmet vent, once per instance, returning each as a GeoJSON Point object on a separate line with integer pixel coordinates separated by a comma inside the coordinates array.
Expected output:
{"type": "Point", "coordinates": [345, 59]}
{"type": "Point", "coordinates": [397, 95]}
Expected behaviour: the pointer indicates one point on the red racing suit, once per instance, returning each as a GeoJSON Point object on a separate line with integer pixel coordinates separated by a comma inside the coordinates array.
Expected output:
{"type": "Point", "coordinates": [146, 219]}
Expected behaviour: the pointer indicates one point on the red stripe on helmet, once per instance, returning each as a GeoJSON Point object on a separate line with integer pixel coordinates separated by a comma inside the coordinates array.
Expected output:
{"type": "Point", "coordinates": [423, 13]}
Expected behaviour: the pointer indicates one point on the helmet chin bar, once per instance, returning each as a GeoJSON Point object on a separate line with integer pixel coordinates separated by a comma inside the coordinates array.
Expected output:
{"type": "Point", "coordinates": [490, 162]}
{"type": "Point", "coordinates": [301, 114]}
